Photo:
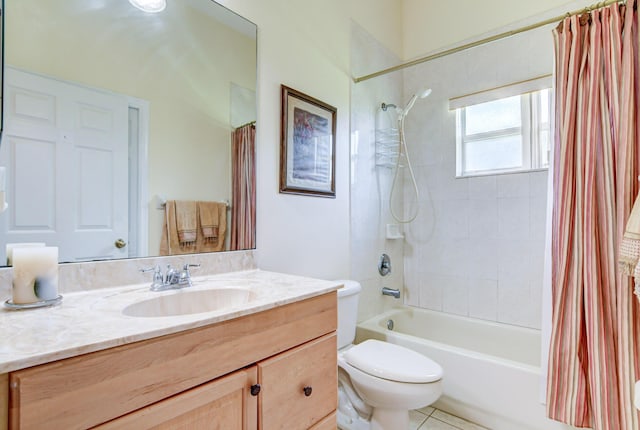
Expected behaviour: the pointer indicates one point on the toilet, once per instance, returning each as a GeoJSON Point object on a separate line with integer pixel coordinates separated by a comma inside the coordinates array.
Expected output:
{"type": "Point", "coordinates": [378, 382]}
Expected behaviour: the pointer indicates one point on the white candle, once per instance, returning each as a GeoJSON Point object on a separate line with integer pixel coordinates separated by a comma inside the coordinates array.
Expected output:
{"type": "Point", "coordinates": [11, 246]}
{"type": "Point", "coordinates": [35, 274]}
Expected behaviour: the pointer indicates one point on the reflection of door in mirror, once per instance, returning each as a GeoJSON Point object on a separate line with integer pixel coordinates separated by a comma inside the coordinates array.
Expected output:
{"type": "Point", "coordinates": [191, 63]}
{"type": "Point", "coordinates": [65, 147]}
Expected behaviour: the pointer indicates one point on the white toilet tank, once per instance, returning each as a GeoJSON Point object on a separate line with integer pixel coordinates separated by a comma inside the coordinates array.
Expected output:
{"type": "Point", "coordinates": [347, 312]}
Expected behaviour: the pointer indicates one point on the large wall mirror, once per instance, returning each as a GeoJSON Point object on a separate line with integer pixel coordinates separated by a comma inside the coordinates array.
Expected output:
{"type": "Point", "coordinates": [110, 111]}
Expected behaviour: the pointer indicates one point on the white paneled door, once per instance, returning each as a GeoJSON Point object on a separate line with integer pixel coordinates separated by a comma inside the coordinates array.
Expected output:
{"type": "Point", "coordinates": [65, 147]}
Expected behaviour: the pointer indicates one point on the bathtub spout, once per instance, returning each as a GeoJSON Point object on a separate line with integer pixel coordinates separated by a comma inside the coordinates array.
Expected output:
{"type": "Point", "coordinates": [391, 292]}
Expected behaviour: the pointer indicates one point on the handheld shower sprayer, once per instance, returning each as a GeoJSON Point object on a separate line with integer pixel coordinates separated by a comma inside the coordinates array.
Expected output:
{"type": "Point", "coordinates": [420, 94]}
{"type": "Point", "coordinates": [403, 153]}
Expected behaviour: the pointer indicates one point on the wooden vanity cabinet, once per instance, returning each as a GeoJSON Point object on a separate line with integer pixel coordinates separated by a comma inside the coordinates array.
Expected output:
{"type": "Point", "coordinates": [197, 379]}
{"type": "Point", "coordinates": [4, 401]}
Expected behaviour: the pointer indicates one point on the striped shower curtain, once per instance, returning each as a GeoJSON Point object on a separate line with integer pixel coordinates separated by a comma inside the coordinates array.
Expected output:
{"type": "Point", "coordinates": [243, 183]}
{"type": "Point", "coordinates": [593, 357]}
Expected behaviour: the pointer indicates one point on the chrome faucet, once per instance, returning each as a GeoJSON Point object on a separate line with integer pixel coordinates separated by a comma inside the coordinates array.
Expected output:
{"type": "Point", "coordinates": [172, 277]}
{"type": "Point", "coordinates": [391, 292]}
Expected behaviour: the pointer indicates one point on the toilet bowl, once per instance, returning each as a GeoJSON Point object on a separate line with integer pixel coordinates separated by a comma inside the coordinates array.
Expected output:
{"type": "Point", "coordinates": [379, 381]}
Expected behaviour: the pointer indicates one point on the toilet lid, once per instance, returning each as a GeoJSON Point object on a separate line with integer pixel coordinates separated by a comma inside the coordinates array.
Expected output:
{"type": "Point", "coordinates": [393, 362]}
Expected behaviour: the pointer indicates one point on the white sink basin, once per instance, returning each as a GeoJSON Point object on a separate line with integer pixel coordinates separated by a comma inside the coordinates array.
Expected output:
{"type": "Point", "coordinates": [190, 302]}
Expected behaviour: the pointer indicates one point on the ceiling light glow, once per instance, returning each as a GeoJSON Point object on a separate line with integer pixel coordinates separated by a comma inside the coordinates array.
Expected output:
{"type": "Point", "coordinates": [151, 6]}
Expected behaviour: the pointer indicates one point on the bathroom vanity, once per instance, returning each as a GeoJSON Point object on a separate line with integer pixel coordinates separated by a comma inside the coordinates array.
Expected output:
{"type": "Point", "coordinates": [269, 363]}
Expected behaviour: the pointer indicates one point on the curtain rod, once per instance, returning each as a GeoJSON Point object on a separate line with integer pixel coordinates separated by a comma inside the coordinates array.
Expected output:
{"type": "Point", "coordinates": [253, 123]}
{"type": "Point", "coordinates": [486, 40]}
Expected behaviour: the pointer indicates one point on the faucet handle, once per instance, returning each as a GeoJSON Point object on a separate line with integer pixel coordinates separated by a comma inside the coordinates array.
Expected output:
{"type": "Point", "coordinates": [151, 269]}
{"type": "Point", "coordinates": [185, 275]}
{"type": "Point", "coordinates": [158, 280]}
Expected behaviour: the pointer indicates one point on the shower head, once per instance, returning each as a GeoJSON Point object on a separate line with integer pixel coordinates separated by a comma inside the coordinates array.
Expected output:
{"type": "Point", "coordinates": [424, 93]}
{"type": "Point", "coordinates": [420, 94]}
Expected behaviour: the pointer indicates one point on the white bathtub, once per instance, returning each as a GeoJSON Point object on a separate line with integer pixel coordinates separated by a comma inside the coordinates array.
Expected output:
{"type": "Point", "coordinates": [492, 371]}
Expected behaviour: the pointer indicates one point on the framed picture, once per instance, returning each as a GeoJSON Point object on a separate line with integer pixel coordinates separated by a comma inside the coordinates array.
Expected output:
{"type": "Point", "coordinates": [308, 145]}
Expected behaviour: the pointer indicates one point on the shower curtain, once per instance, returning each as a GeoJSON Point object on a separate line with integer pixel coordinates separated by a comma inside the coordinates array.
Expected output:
{"type": "Point", "coordinates": [243, 183]}
{"type": "Point", "coordinates": [593, 356]}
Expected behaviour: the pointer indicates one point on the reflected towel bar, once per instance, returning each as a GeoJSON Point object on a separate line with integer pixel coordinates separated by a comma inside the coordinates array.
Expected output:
{"type": "Point", "coordinates": [162, 203]}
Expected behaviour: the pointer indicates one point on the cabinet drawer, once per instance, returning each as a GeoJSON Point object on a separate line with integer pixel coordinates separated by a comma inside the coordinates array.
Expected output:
{"type": "Point", "coordinates": [283, 403]}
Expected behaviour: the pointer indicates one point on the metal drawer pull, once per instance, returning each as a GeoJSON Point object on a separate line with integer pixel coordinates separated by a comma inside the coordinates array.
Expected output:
{"type": "Point", "coordinates": [307, 391]}
{"type": "Point", "coordinates": [255, 390]}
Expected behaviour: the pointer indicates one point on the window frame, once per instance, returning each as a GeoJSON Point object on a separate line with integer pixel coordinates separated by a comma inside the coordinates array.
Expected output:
{"type": "Point", "coordinates": [529, 130]}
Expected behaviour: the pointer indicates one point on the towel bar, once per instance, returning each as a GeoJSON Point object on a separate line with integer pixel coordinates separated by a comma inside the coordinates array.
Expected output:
{"type": "Point", "coordinates": [161, 203]}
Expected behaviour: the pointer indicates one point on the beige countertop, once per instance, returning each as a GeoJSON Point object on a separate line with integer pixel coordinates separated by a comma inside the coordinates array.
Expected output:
{"type": "Point", "coordinates": [93, 320]}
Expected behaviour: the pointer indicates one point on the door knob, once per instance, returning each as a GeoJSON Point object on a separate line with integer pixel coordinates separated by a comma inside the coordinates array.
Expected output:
{"type": "Point", "coordinates": [120, 243]}
{"type": "Point", "coordinates": [307, 391]}
{"type": "Point", "coordinates": [255, 389]}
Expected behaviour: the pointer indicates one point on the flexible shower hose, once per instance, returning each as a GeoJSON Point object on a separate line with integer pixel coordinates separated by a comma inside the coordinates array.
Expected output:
{"type": "Point", "coordinates": [403, 150]}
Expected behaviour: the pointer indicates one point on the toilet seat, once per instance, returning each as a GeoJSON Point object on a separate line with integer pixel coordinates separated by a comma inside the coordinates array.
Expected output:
{"type": "Point", "coordinates": [392, 362]}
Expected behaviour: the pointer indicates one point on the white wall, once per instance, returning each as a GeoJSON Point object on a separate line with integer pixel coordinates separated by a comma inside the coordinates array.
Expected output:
{"type": "Point", "coordinates": [383, 21]}
{"type": "Point", "coordinates": [304, 45]}
{"type": "Point", "coordinates": [431, 25]}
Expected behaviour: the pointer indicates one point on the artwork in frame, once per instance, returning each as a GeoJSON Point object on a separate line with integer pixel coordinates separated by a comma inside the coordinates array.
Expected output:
{"type": "Point", "coordinates": [308, 145]}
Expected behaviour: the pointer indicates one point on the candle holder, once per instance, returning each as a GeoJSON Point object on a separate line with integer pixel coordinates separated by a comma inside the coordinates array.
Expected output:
{"type": "Point", "coordinates": [41, 304]}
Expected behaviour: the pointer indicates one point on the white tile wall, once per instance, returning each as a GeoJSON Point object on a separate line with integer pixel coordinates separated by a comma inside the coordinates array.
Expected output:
{"type": "Point", "coordinates": [483, 258]}
{"type": "Point", "coordinates": [483, 218]}
{"type": "Point", "coordinates": [478, 244]}
{"type": "Point", "coordinates": [483, 298]}
{"type": "Point", "coordinates": [483, 187]}
{"type": "Point", "coordinates": [514, 259]}
{"type": "Point", "coordinates": [514, 299]}
{"type": "Point", "coordinates": [513, 217]}
{"type": "Point", "coordinates": [455, 297]}
{"type": "Point", "coordinates": [430, 289]}
{"type": "Point", "coordinates": [513, 185]}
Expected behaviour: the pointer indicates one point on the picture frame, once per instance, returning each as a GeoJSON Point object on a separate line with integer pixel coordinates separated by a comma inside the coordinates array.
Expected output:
{"type": "Point", "coordinates": [308, 145]}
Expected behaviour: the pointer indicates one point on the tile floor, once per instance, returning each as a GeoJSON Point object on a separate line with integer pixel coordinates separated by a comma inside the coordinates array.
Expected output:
{"type": "Point", "coordinates": [434, 419]}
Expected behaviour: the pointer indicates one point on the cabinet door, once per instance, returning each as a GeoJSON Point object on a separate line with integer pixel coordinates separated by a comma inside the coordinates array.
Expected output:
{"type": "Point", "coordinates": [327, 423]}
{"type": "Point", "coordinates": [223, 404]}
{"type": "Point", "coordinates": [299, 386]}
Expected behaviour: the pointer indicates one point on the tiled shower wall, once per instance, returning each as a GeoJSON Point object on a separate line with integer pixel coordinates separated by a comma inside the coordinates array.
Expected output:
{"type": "Point", "coordinates": [477, 247]}
{"type": "Point", "coordinates": [370, 185]}
{"type": "Point", "coordinates": [485, 255]}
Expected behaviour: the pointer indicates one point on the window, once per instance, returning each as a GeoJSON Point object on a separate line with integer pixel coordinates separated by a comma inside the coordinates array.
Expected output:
{"type": "Point", "coordinates": [510, 134]}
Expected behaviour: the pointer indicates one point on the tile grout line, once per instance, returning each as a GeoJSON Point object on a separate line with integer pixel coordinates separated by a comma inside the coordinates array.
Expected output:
{"type": "Point", "coordinates": [443, 422]}
{"type": "Point", "coordinates": [430, 416]}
